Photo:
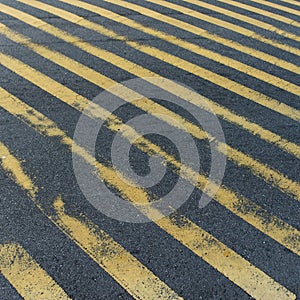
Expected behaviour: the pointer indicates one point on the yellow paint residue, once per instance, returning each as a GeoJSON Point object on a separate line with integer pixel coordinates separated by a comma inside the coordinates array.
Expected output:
{"type": "Point", "coordinates": [264, 76]}
{"type": "Point", "coordinates": [79, 102]}
{"type": "Point", "coordinates": [208, 35]}
{"type": "Point", "coordinates": [227, 25]}
{"type": "Point", "coordinates": [280, 7]}
{"type": "Point", "coordinates": [255, 282]}
{"type": "Point", "coordinates": [246, 19]}
{"type": "Point", "coordinates": [8, 163]}
{"type": "Point", "coordinates": [264, 12]}
{"type": "Point", "coordinates": [273, 228]}
{"type": "Point", "coordinates": [224, 82]}
{"type": "Point", "coordinates": [26, 275]}
{"type": "Point", "coordinates": [196, 239]}
{"type": "Point", "coordinates": [31, 281]}
{"type": "Point", "coordinates": [113, 258]}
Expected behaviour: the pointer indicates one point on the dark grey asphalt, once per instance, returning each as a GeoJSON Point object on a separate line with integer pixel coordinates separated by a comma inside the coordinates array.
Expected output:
{"type": "Point", "coordinates": [51, 163]}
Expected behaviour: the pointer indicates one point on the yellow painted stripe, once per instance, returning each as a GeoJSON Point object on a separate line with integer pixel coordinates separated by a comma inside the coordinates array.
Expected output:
{"type": "Point", "coordinates": [72, 99]}
{"type": "Point", "coordinates": [293, 2]}
{"type": "Point", "coordinates": [18, 172]}
{"type": "Point", "coordinates": [255, 282]}
{"type": "Point", "coordinates": [134, 277]}
{"type": "Point", "coordinates": [140, 282]}
{"type": "Point", "coordinates": [211, 36]}
{"type": "Point", "coordinates": [268, 224]}
{"type": "Point", "coordinates": [78, 102]}
{"type": "Point", "coordinates": [26, 275]}
{"type": "Point", "coordinates": [147, 105]}
{"type": "Point", "coordinates": [227, 61]}
{"type": "Point", "coordinates": [246, 19]}
{"type": "Point", "coordinates": [222, 258]}
{"type": "Point", "coordinates": [224, 82]}
{"type": "Point", "coordinates": [96, 78]}
{"type": "Point", "coordinates": [259, 169]}
{"type": "Point", "coordinates": [241, 30]}
{"type": "Point", "coordinates": [279, 7]}
{"type": "Point", "coordinates": [262, 12]}
{"type": "Point", "coordinates": [105, 83]}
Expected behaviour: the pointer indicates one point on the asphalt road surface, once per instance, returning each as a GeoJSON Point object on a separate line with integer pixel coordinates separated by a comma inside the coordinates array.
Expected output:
{"type": "Point", "coordinates": [150, 149]}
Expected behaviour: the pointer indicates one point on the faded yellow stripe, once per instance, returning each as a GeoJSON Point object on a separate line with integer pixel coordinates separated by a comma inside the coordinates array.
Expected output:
{"type": "Point", "coordinates": [255, 282]}
{"type": "Point", "coordinates": [8, 164]}
{"type": "Point", "coordinates": [246, 19]}
{"type": "Point", "coordinates": [242, 159]}
{"type": "Point", "coordinates": [49, 128]}
{"type": "Point", "coordinates": [262, 12]}
{"type": "Point", "coordinates": [120, 264]}
{"type": "Point", "coordinates": [79, 103]}
{"type": "Point", "coordinates": [294, 2]}
{"type": "Point", "coordinates": [96, 78]}
{"type": "Point", "coordinates": [148, 105]}
{"type": "Point", "coordinates": [241, 30]}
{"type": "Point", "coordinates": [264, 221]}
{"type": "Point", "coordinates": [224, 82]}
{"type": "Point", "coordinates": [25, 274]}
{"type": "Point", "coordinates": [106, 82]}
{"type": "Point", "coordinates": [211, 36]}
{"type": "Point", "coordinates": [65, 36]}
{"type": "Point", "coordinates": [227, 61]}
{"type": "Point", "coordinates": [134, 277]}
{"type": "Point", "coordinates": [277, 6]}
{"type": "Point", "coordinates": [222, 258]}
{"type": "Point", "coordinates": [274, 177]}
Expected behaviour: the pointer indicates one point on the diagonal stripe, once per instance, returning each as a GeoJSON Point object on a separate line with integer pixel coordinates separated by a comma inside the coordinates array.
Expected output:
{"type": "Point", "coordinates": [279, 7]}
{"type": "Point", "coordinates": [211, 250]}
{"type": "Point", "coordinates": [211, 36]}
{"type": "Point", "coordinates": [224, 82]}
{"type": "Point", "coordinates": [65, 94]}
{"type": "Point", "coordinates": [255, 282]}
{"type": "Point", "coordinates": [140, 282]}
{"type": "Point", "coordinates": [248, 211]}
{"type": "Point", "coordinates": [134, 277]}
{"type": "Point", "coordinates": [293, 2]}
{"type": "Point", "coordinates": [105, 82]}
{"type": "Point", "coordinates": [208, 35]}
{"type": "Point", "coordinates": [241, 30]}
{"type": "Point", "coordinates": [262, 12]}
{"type": "Point", "coordinates": [271, 176]}
{"type": "Point", "coordinates": [227, 61]}
{"type": "Point", "coordinates": [25, 274]}
{"type": "Point", "coordinates": [245, 19]}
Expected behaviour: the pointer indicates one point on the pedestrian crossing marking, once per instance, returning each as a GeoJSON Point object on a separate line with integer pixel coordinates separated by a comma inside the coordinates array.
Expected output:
{"type": "Point", "coordinates": [30, 282]}
{"type": "Point", "coordinates": [217, 79]}
{"type": "Point", "coordinates": [293, 2]}
{"type": "Point", "coordinates": [263, 12]}
{"type": "Point", "coordinates": [277, 61]}
{"type": "Point", "coordinates": [277, 6]}
{"type": "Point", "coordinates": [139, 281]}
{"type": "Point", "coordinates": [257, 168]}
{"type": "Point", "coordinates": [241, 272]}
{"type": "Point", "coordinates": [227, 61]}
{"type": "Point", "coordinates": [249, 20]}
{"type": "Point", "coordinates": [265, 222]}
{"type": "Point", "coordinates": [228, 25]}
{"type": "Point", "coordinates": [105, 82]}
